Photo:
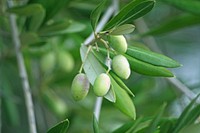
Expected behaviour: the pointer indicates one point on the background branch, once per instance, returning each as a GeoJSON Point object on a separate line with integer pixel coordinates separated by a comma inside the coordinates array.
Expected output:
{"type": "Point", "coordinates": [151, 42]}
{"type": "Point", "coordinates": [22, 71]}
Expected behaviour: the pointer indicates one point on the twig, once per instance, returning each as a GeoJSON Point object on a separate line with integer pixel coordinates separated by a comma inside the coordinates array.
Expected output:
{"type": "Point", "coordinates": [151, 42]}
{"type": "Point", "coordinates": [22, 71]}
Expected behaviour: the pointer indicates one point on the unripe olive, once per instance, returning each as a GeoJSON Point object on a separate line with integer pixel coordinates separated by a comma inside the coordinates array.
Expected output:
{"type": "Point", "coordinates": [80, 87]}
{"type": "Point", "coordinates": [121, 66]}
{"type": "Point", "coordinates": [48, 62]}
{"type": "Point", "coordinates": [65, 61]}
{"type": "Point", "coordinates": [101, 84]}
{"type": "Point", "coordinates": [118, 43]}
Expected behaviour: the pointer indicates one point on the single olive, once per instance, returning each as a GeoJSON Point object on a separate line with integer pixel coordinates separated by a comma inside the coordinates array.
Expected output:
{"type": "Point", "coordinates": [48, 62]}
{"type": "Point", "coordinates": [101, 85]}
{"type": "Point", "coordinates": [65, 61]}
{"type": "Point", "coordinates": [121, 67]}
{"type": "Point", "coordinates": [80, 87]}
{"type": "Point", "coordinates": [118, 43]}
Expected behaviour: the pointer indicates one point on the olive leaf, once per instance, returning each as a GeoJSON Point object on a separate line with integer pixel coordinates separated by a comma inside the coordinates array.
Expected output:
{"type": "Point", "coordinates": [95, 15]}
{"type": "Point", "coordinates": [132, 11]}
{"type": "Point", "coordinates": [147, 69]}
{"type": "Point", "coordinates": [123, 101]}
{"type": "Point", "coordinates": [190, 6]}
{"type": "Point", "coordinates": [35, 11]}
{"type": "Point", "coordinates": [123, 29]}
{"type": "Point", "coordinates": [178, 22]}
{"type": "Point", "coordinates": [60, 127]}
{"type": "Point", "coordinates": [154, 123]}
{"type": "Point", "coordinates": [151, 57]}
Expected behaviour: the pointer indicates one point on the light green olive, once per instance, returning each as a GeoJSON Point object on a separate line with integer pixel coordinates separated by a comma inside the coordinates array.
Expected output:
{"type": "Point", "coordinates": [121, 66]}
{"type": "Point", "coordinates": [118, 43]}
{"type": "Point", "coordinates": [101, 84]}
{"type": "Point", "coordinates": [48, 62]}
{"type": "Point", "coordinates": [65, 61]}
{"type": "Point", "coordinates": [80, 87]}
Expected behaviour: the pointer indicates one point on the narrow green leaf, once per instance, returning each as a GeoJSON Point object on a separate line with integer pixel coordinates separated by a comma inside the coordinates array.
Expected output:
{"type": "Point", "coordinates": [193, 128]}
{"type": "Point", "coordinates": [183, 118]}
{"type": "Point", "coordinates": [95, 15]}
{"type": "Point", "coordinates": [132, 11]}
{"type": "Point", "coordinates": [60, 127]}
{"type": "Point", "coordinates": [123, 29]}
{"type": "Point", "coordinates": [121, 83]}
{"type": "Point", "coordinates": [95, 124]}
{"type": "Point", "coordinates": [176, 23]}
{"type": "Point", "coordinates": [190, 6]}
{"type": "Point", "coordinates": [128, 127]}
{"type": "Point", "coordinates": [154, 123]}
{"type": "Point", "coordinates": [147, 69]}
{"type": "Point", "coordinates": [35, 11]}
{"type": "Point", "coordinates": [123, 102]}
{"type": "Point", "coordinates": [151, 57]}
{"type": "Point", "coordinates": [55, 28]}
{"type": "Point", "coordinates": [28, 38]}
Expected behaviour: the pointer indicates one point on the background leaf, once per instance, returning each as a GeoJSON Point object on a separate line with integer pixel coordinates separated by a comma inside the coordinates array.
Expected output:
{"type": "Point", "coordinates": [176, 23]}
{"type": "Point", "coordinates": [185, 5]}
{"type": "Point", "coordinates": [130, 12]}
{"type": "Point", "coordinates": [35, 11]}
{"type": "Point", "coordinates": [60, 127]}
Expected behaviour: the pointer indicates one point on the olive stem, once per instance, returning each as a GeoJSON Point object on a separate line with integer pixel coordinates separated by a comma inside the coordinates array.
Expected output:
{"type": "Point", "coordinates": [142, 28]}
{"type": "Point", "coordinates": [22, 71]}
{"type": "Point", "coordinates": [85, 58]}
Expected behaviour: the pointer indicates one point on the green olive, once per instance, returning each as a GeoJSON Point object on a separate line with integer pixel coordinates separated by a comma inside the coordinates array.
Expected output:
{"type": "Point", "coordinates": [48, 62]}
{"type": "Point", "coordinates": [65, 61]}
{"type": "Point", "coordinates": [80, 87]}
{"type": "Point", "coordinates": [101, 85]}
{"type": "Point", "coordinates": [121, 67]}
{"type": "Point", "coordinates": [118, 43]}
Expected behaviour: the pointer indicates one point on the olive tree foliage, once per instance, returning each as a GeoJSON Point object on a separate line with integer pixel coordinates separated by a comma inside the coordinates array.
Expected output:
{"type": "Point", "coordinates": [81, 55]}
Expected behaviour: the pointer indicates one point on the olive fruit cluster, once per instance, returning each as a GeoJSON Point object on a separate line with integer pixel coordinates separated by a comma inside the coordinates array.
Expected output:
{"type": "Point", "coordinates": [120, 64]}
{"type": "Point", "coordinates": [102, 83]}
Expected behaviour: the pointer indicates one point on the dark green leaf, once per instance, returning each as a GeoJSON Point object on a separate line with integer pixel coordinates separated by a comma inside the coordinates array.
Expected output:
{"type": "Point", "coordinates": [55, 28]}
{"type": "Point", "coordinates": [151, 57]}
{"type": "Point", "coordinates": [123, 29]}
{"type": "Point", "coordinates": [183, 119]}
{"type": "Point", "coordinates": [35, 11]}
{"type": "Point", "coordinates": [128, 127]}
{"type": "Point", "coordinates": [95, 15]}
{"type": "Point", "coordinates": [60, 127]}
{"type": "Point", "coordinates": [123, 102]}
{"type": "Point", "coordinates": [132, 11]}
{"type": "Point", "coordinates": [193, 128]}
{"type": "Point", "coordinates": [51, 6]}
{"type": "Point", "coordinates": [191, 6]}
{"type": "Point", "coordinates": [95, 124]}
{"type": "Point", "coordinates": [176, 23]}
{"type": "Point", "coordinates": [121, 83]}
{"type": "Point", "coordinates": [147, 69]}
{"type": "Point", "coordinates": [154, 123]}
